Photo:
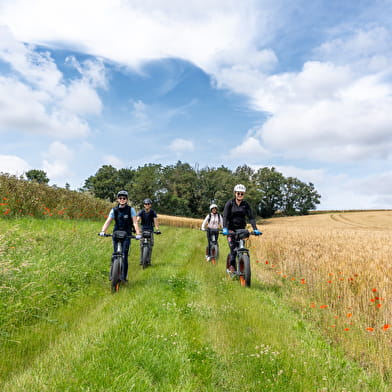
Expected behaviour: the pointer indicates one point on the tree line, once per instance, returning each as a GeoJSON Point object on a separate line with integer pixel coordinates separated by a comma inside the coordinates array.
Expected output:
{"type": "Point", "coordinates": [183, 190]}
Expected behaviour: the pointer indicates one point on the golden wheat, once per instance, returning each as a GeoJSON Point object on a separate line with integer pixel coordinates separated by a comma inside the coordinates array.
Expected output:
{"type": "Point", "coordinates": [339, 262]}
{"type": "Point", "coordinates": [176, 221]}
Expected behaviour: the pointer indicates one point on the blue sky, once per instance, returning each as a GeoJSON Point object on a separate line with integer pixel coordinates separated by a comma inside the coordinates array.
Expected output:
{"type": "Point", "coordinates": [302, 86]}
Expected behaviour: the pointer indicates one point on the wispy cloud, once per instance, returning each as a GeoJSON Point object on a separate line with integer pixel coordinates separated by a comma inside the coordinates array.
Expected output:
{"type": "Point", "coordinates": [181, 146]}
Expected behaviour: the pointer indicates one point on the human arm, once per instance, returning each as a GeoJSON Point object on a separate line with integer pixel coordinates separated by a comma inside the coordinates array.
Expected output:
{"type": "Point", "coordinates": [108, 221]}
{"type": "Point", "coordinates": [135, 221]}
{"type": "Point", "coordinates": [250, 216]}
{"type": "Point", "coordinates": [136, 225]}
{"type": "Point", "coordinates": [203, 225]}
{"type": "Point", "coordinates": [156, 224]}
{"type": "Point", "coordinates": [226, 214]}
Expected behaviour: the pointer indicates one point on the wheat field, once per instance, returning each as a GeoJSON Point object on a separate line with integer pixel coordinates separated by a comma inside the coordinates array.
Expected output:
{"type": "Point", "coordinates": [338, 268]}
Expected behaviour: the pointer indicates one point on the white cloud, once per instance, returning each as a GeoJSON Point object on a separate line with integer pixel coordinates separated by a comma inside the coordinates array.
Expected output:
{"type": "Point", "coordinates": [38, 68]}
{"type": "Point", "coordinates": [113, 161]}
{"type": "Point", "coordinates": [304, 175]}
{"type": "Point", "coordinates": [14, 165]}
{"type": "Point", "coordinates": [57, 162]}
{"type": "Point", "coordinates": [34, 97]}
{"type": "Point", "coordinates": [150, 29]}
{"type": "Point", "coordinates": [251, 150]}
{"type": "Point", "coordinates": [82, 99]}
{"type": "Point", "coordinates": [325, 113]}
{"type": "Point", "coordinates": [368, 50]}
{"type": "Point", "coordinates": [181, 145]}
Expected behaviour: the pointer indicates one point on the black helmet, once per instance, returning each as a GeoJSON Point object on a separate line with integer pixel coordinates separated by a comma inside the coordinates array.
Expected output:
{"type": "Point", "coordinates": [147, 201]}
{"type": "Point", "coordinates": [122, 193]}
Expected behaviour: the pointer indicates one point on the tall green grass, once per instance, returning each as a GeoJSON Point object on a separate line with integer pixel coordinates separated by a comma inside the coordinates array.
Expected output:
{"type": "Point", "coordinates": [19, 197]}
{"type": "Point", "coordinates": [177, 326]}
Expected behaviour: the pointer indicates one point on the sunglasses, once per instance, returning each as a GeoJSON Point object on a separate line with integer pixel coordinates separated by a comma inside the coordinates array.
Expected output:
{"type": "Point", "coordinates": [122, 198]}
{"type": "Point", "coordinates": [240, 193]}
{"type": "Point", "coordinates": [147, 204]}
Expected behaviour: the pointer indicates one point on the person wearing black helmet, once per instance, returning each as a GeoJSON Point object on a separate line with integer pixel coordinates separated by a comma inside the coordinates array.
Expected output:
{"type": "Point", "coordinates": [213, 220]}
{"type": "Point", "coordinates": [235, 213]}
{"type": "Point", "coordinates": [124, 217]}
{"type": "Point", "coordinates": [148, 219]}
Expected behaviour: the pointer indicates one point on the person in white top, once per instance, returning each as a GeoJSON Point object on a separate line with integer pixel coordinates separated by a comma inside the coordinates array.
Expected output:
{"type": "Point", "coordinates": [213, 220]}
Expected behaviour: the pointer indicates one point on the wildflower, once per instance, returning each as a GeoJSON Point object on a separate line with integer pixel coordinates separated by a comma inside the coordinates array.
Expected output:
{"type": "Point", "coordinates": [266, 262]}
{"type": "Point", "coordinates": [323, 306]}
{"type": "Point", "coordinates": [346, 329]}
{"type": "Point", "coordinates": [333, 326]}
{"type": "Point", "coordinates": [349, 315]}
{"type": "Point", "coordinates": [374, 290]}
{"type": "Point", "coordinates": [329, 281]}
{"type": "Point", "coordinates": [7, 211]}
{"type": "Point", "coordinates": [385, 327]}
{"type": "Point", "coordinates": [379, 306]}
{"type": "Point", "coordinates": [312, 305]}
{"type": "Point", "coordinates": [370, 329]}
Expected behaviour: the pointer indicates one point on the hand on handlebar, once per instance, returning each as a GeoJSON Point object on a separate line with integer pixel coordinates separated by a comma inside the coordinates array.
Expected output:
{"type": "Point", "coordinates": [138, 236]}
{"type": "Point", "coordinates": [102, 234]}
{"type": "Point", "coordinates": [158, 232]}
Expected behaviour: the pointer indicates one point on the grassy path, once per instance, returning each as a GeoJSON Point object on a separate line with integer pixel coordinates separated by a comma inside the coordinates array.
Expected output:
{"type": "Point", "coordinates": [178, 326]}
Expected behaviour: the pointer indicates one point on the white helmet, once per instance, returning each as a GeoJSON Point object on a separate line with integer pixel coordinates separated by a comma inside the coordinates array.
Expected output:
{"type": "Point", "coordinates": [239, 188]}
{"type": "Point", "coordinates": [213, 206]}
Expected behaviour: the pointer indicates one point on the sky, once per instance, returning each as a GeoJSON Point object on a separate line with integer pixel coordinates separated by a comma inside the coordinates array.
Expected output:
{"type": "Point", "coordinates": [303, 86]}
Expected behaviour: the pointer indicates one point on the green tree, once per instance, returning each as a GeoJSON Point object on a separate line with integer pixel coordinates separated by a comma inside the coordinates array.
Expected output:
{"type": "Point", "coordinates": [269, 185]}
{"type": "Point", "coordinates": [105, 183]}
{"type": "Point", "coordinates": [179, 190]}
{"type": "Point", "coordinates": [147, 183]}
{"type": "Point", "coordinates": [37, 176]}
{"type": "Point", "coordinates": [215, 186]}
{"type": "Point", "coordinates": [299, 197]}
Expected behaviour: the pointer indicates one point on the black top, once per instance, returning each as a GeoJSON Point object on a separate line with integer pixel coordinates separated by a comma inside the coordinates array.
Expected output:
{"type": "Point", "coordinates": [147, 219]}
{"type": "Point", "coordinates": [234, 215]}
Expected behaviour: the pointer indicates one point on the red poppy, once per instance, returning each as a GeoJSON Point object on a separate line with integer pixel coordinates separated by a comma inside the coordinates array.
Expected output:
{"type": "Point", "coordinates": [370, 329]}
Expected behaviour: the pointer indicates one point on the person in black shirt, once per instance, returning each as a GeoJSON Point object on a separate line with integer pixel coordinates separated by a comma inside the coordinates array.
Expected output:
{"type": "Point", "coordinates": [149, 220]}
{"type": "Point", "coordinates": [235, 213]}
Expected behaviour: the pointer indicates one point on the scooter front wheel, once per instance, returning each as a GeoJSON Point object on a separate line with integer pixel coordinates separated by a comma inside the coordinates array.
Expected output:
{"type": "Point", "coordinates": [245, 273]}
{"type": "Point", "coordinates": [115, 274]}
{"type": "Point", "coordinates": [214, 254]}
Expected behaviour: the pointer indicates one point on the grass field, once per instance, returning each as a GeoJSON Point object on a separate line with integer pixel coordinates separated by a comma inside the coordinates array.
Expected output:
{"type": "Point", "coordinates": [178, 326]}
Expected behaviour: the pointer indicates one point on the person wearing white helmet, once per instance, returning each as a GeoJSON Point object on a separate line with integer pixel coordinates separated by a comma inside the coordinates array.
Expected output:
{"type": "Point", "coordinates": [124, 217]}
{"type": "Point", "coordinates": [213, 220]}
{"type": "Point", "coordinates": [235, 213]}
